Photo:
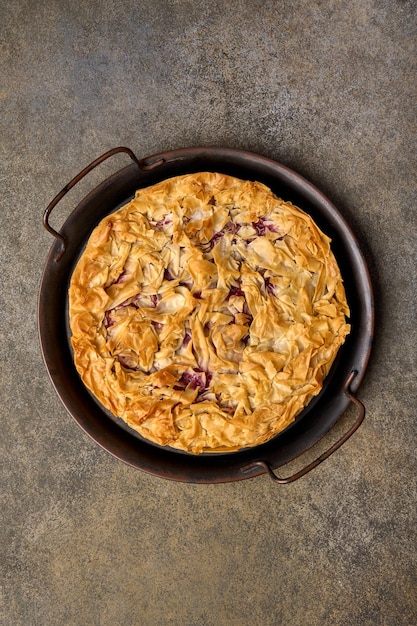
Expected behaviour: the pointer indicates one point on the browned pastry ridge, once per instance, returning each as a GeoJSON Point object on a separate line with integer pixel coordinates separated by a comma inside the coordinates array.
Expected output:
{"type": "Point", "coordinates": [206, 312]}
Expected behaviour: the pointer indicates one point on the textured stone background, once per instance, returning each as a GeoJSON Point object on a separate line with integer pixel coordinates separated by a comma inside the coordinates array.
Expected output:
{"type": "Point", "coordinates": [327, 88]}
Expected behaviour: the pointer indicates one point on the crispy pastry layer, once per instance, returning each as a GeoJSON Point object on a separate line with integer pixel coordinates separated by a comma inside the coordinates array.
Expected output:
{"type": "Point", "coordinates": [206, 312]}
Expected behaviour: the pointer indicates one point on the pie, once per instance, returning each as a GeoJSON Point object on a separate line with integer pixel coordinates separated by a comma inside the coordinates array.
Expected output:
{"type": "Point", "coordinates": [206, 313]}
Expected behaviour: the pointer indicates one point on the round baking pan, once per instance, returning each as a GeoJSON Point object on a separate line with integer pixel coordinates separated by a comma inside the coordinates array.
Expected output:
{"type": "Point", "coordinates": [112, 434]}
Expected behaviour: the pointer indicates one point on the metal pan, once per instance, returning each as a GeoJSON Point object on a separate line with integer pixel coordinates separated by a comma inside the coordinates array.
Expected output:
{"type": "Point", "coordinates": [317, 418]}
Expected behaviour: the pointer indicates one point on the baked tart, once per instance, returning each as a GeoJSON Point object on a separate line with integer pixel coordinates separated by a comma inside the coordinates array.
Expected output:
{"type": "Point", "coordinates": [206, 313]}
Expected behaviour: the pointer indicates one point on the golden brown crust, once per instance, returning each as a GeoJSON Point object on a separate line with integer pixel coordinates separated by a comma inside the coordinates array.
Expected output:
{"type": "Point", "coordinates": [206, 312]}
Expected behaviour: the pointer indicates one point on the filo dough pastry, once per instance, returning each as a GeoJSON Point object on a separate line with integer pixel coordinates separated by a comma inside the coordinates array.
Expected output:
{"type": "Point", "coordinates": [206, 313]}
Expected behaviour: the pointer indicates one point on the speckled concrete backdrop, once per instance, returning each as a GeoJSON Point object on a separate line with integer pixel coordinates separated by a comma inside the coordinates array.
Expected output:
{"type": "Point", "coordinates": [327, 88]}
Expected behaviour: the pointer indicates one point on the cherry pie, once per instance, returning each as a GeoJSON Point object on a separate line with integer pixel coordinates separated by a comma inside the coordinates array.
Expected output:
{"type": "Point", "coordinates": [206, 313]}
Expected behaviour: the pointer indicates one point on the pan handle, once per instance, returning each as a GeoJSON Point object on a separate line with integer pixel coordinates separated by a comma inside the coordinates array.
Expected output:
{"type": "Point", "coordinates": [290, 479]}
{"type": "Point", "coordinates": [73, 182]}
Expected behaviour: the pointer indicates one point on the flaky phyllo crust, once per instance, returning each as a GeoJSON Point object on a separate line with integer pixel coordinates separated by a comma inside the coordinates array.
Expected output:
{"type": "Point", "coordinates": [206, 313]}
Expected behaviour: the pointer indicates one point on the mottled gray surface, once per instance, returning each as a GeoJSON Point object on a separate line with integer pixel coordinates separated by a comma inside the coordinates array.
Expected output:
{"type": "Point", "coordinates": [328, 89]}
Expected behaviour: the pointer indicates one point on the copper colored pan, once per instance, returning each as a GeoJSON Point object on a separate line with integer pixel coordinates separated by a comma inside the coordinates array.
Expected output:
{"type": "Point", "coordinates": [317, 418]}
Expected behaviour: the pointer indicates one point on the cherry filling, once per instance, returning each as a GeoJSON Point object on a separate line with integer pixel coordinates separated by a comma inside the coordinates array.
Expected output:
{"type": "Point", "coordinates": [261, 226]}
{"type": "Point", "coordinates": [126, 362]}
{"type": "Point", "coordinates": [270, 288]}
{"type": "Point", "coordinates": [108, 319]}
{"type": "Point", "coordinates": [187, 339]}
{"type": "Point", "coordinates": [121, 277]}
{"type": "Point", "coordinates": [137, 302]}
{"type": "Point", "coordinates": [235, 291]}
{"type": "Point", "coordinates": [193, 380]}
{"type": "Point", "coordinates": [197, 379]}
{"type": "Point", "coordinates": [166, 221]}
{"type": "Point", "coordinates": [143, 301]}
{"type": "Point", "coordinates": [230, 228]}
{"type": "Point", "coordinates": [168, 275]}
